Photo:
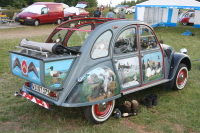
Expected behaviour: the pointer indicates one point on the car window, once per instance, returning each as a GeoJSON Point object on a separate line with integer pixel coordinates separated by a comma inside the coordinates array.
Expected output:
{"type": "Point", "coordinates": [44, 10]}
{"type": "Point", "coordinates": [147, 38]}
{"type": "Point", "coordinates": [59, 36]}
{"type": "Point", "coordinates": [101, 45]}
{"type": "Point", "coordinates": [78, 37]}
{"type": "Point", "coordinates": [126, 42]}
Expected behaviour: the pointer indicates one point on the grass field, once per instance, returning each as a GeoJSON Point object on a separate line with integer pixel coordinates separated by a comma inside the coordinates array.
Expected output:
{"type": "Point", "coordinates": [177, 111]}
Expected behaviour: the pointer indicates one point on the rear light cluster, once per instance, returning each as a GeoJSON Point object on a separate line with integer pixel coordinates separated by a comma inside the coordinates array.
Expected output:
{"type": "Point", "coordinates": [27, 84]}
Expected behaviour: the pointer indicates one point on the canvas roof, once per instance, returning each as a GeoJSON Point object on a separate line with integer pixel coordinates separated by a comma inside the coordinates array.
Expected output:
{"type": "Point", "coordinates": [180, 4]}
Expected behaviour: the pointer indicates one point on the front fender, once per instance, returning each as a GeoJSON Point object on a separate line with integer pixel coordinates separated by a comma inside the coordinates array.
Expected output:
{"type": "Point", "coordinates": [176, 60]}
{"type": "Point", "coordinates": [96, 86]}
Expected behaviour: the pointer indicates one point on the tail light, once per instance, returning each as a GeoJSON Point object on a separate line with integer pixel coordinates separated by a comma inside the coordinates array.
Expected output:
{"type": "Point", "coordinates": [52, 94]}
{"type": "Point", "coordinates": [27, 84]}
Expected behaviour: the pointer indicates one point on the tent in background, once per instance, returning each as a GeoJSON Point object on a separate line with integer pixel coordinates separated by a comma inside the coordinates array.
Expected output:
{"type": "Point", "coordinates": [165, 12]}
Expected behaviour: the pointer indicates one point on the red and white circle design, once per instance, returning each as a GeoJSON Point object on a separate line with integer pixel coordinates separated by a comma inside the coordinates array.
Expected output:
{"type": "Point", "coordinates": [24, 67]}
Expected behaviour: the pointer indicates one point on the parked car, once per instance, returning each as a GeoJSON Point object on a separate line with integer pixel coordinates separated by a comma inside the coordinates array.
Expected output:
{"type": "Point", "coordinates": [41, 13]}
{"type": "Point", "coordinates": [126, 10]}
{"type": "Point", "coordinates": [82, 64]}
{"type": "Point", "coordinates": [76, 12]}
{"type": "Point", "coordinates": [187, 17]}
{"type": "Point", "coordinates": [132, 8]}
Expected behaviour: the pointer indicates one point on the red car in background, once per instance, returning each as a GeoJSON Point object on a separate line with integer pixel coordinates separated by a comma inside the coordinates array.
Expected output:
{"type": "Point", "coordinates": [187, 18]}
{"type": "Point", "coordinates": [76, 12]}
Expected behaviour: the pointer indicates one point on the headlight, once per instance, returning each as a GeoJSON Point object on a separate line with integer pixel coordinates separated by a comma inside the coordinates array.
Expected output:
{"type": "Point", "coordinates": [28, 17]}
{"type": "Point", "coordinates": [183, 50]}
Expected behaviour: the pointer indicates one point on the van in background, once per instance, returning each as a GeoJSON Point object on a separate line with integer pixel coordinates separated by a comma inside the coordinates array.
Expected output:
{"type": "Point", "coordinates": [40, 13]}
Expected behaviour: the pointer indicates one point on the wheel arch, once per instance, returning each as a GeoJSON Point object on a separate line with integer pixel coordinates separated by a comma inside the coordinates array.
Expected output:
{"type": "Point", "coordinates": [177, 59]}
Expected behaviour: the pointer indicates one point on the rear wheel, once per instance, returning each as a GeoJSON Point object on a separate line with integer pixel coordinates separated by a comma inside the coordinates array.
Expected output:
{"type": "Point", "coordinates": [36, 23]}
{"type": "Point", "coordinates": [99, 113]}
{"type": "Point", "coordinates": [59, 21]}
{"type": "Point", "coordinates": [181, 77]}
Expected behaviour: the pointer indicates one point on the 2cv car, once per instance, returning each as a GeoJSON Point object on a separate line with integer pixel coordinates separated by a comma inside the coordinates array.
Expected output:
{"type": "Point", "coordinates": [91, 62]}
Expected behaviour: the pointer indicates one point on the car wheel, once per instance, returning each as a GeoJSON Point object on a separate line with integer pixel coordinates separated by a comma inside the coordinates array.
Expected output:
{"type": "Point", "coordinates": [184, 23]}
{"type": "Point", "coordinates": [181, 77]}
{"type": "Point", "coordinates": [128, 12]}
{"type": "Point", "coordinates": [36, 23]}
{"type": "Point", "coordinates": [99, 113]}
{"type": "Point", "coordinates": [70, 18]}
{"type": "Point", "coordinates": [59, 21]}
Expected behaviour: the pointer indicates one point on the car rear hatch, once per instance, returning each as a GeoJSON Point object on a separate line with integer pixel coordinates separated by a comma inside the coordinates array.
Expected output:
{"type": "Point", "coordinates": [41, 67]}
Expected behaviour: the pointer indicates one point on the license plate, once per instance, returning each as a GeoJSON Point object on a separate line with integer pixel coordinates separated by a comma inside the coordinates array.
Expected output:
{"type": "Point", "coordinates": [21, 20]}
{"type": "Point", "coordinates": [40, 89]}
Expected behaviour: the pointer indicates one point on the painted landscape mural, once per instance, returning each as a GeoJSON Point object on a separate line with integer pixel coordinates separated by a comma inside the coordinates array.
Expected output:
{"type": "Point", "coordinates": [128, 71]}
{"type": "Point", "coordinates": [152, 66]}
{"type": "Point", "coordinates": [98, 84]}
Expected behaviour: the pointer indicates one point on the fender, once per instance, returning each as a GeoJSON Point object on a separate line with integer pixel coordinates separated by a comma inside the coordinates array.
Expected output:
{"type": "Point", "coordinates": [176, 60]}
{"type": "Point", "coordinates": [96, 86]}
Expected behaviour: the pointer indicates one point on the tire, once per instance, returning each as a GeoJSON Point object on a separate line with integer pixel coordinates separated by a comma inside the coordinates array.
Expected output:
{"type": "Point", "coordinates": [99, 113]}
{"type": "Point", "coordinates": [128, 12]}
{"type": "Point", "coordinates": [184, 23]}
{"type": "Point", "coordinates": [59, 21]}
{"type": "Point", "coordinates": [36, 23]}
{"type": "Point", "coordinates": [181, 77]}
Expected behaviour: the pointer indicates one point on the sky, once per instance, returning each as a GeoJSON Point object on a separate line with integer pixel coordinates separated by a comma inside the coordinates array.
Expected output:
{"type": "Point", "coordinates": [114, 2]}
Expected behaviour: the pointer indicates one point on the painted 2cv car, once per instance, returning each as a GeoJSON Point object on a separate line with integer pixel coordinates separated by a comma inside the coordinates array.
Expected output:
{"type": "Point", "coordinates": [90, 62]}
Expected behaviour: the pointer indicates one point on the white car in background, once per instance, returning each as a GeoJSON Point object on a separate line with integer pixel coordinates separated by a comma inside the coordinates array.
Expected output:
{"type": "Point", "coordinates": [126, 10]}
{"type": "Point", "coordinates": [132, 8]}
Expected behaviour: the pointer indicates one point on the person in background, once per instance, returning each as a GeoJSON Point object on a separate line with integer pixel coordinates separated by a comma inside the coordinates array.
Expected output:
{"type": "Point", "coordinates": [121, 14]}
{"type": "Point", "coordinates": [110, 14]}
{"type": "Point", "coordinates": [97, 13]}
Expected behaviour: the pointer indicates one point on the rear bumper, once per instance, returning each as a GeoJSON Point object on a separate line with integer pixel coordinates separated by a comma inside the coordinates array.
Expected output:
{"type": "Point", "coordinates": [34, 99]}
{"type": "Point", "coordinates": [25, 21]}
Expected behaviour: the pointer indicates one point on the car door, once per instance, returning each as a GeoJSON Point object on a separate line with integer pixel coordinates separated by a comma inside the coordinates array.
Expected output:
{"type": "Point", "coordinates": [151, 56]}
{"type": "Point", "coordinates": [45, 17]}
{"type": "Point", "coordinates": [126, 59]}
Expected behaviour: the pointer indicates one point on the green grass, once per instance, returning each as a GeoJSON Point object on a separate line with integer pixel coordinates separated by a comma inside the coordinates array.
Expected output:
{"type": "Point", "coordinates": [177, 111]}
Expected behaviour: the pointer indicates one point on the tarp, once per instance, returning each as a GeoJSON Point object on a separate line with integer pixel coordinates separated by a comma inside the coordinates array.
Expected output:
{"type": "Point", "coordinates": [180, 4]}
{"type": "Point", "coordinates": [155, 12]}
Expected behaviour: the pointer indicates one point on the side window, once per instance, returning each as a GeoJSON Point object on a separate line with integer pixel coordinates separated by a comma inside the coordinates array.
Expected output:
{"type": "Point", "coordinates": [126, 42]}
{"type": "Point", "coordinates": [44, 10]}
{"type": "Point", "coordinates": [59, 36]}
{"type": "Point", "coordinates": [101, 45]}
{"type": "Point", "coordinates": [147, 38]}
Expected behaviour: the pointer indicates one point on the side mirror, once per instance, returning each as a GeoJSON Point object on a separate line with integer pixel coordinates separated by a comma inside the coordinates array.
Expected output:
{"type": "Point", "coordinates": [42, 12]}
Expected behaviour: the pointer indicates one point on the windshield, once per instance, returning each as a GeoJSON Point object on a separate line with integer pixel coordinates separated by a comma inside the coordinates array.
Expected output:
{"type": "Point", "coordinates": [72, 37]}
{"type": "Point", "coordinates": [34, 9]}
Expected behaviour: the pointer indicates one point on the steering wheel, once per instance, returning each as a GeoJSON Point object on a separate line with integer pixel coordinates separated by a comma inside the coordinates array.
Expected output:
{"type": "Point", "coordinates": [126, 48]}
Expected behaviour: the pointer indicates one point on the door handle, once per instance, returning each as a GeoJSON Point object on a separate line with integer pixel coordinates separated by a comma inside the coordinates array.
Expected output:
{"type": "Point", "coordinates": [115, 60]}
